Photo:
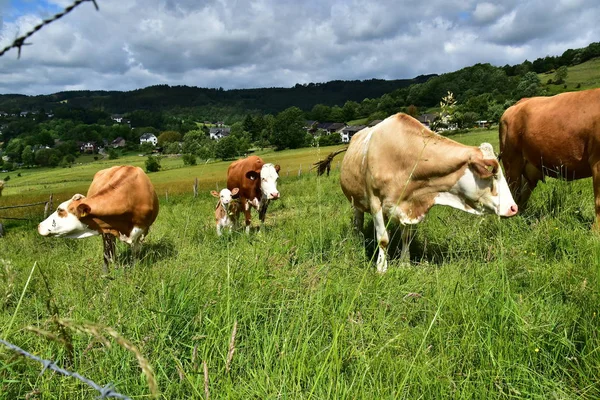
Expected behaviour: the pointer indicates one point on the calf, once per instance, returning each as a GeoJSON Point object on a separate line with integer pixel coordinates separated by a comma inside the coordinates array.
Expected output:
{"type": "Point", "coordinates": [399, 169]}
{"type": "Point", "coordinates": [120, 202]}
{"type": "Point", "coordinates": [257, 183]}
{"type": "Point", "coordinates": [227, 210]}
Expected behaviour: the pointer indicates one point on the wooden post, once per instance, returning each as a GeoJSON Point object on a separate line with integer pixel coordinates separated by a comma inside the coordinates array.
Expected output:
{"type": "Point", "coordinates": [166, 196]}
{"type": "Point", "coordinates": [196, 188]}
{"type": "Point", "coordinates": [48, 207]}
{"type": "Point", "coordinates": [300, 170]}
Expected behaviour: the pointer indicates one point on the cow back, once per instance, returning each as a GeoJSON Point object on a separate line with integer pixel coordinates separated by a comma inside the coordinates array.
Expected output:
{"type": "Point", "coordinates": [124, 191]}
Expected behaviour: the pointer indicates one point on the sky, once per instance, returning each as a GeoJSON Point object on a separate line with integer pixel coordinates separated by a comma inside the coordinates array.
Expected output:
{"type": "Point", "coordinates": [237, 44]}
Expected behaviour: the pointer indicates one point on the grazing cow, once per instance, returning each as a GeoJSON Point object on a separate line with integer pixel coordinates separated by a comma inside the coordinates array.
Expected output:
{"type": "Point", "coordinates": [227, 210]}
{"type": "Point", "coordinates": [399, 169]}
{"type": "Point", "coordinates": [120, 202]}
{"type": "Point", "coordinates": [257, 183]}
{"type": "Point", "coordinates": [556, 136]}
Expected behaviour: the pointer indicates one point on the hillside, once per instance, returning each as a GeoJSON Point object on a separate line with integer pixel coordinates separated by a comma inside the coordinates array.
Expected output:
{"type": "Point", "coordinates": [164, 97]}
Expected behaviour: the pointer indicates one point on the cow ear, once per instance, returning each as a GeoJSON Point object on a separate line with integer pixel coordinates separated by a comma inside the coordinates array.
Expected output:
{"type": "Point", "coordinates": [252, 175]}
{"type": "Point", "coordinates": [77, 197]}
{"type": "Point", "coordinates": [277, 168]}
{"type": "Point", "coordinates": [235, 191]}
{"type": "Point", "coordinates": [83, 210]}
{"type": "Point", "coordinates": [214, 193]}
{"type": "Point", "coordinates": [484, 168]}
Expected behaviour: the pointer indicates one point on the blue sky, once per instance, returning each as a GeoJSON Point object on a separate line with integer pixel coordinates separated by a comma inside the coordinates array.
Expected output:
{"type": "Point", "coordinates": [129, 44]}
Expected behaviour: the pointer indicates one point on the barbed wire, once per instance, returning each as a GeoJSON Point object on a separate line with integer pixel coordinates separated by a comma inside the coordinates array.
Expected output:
{"type": "Point", "coordinates": [20, 41]}
{"type": "Point", "coordinates": [105, 391]}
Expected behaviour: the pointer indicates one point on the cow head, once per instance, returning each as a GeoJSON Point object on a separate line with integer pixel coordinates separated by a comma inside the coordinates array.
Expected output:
{"type": "Point", "coordinates": [66, 220]}
{"type": "Point", "coordinates": [268, 175]}
{"type": "Point", "coordinates": [225, 195]}
{"type": "Point", "coordinates": [483, 189]}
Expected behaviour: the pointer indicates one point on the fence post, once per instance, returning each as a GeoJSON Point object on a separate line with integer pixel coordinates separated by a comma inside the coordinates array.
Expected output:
{"type": "Point", "coordinates": [166, 196]}
{"type": "Point", "coordinates": [196, 188]}
{"type": "Point", "coordinates": [300, 170]}
{"type": "Point", "coordinates": [48, 207]}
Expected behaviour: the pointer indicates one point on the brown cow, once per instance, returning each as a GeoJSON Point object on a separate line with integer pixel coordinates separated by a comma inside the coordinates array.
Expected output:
{"type": "Point", "coordinates": [399, 169]}
{"type": "Point", "coordinates": [120, 202]}
{"type": "Point", "coordinates": [556, 136]}
{"type": "Point", "coordinates": [257, 183]}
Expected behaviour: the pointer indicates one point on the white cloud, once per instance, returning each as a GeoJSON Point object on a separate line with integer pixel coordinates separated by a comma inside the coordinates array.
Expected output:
{"type": "Point", "coordinates": [264, 43]}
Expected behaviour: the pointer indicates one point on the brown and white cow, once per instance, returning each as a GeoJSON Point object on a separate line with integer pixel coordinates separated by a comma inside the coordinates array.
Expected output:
{"type": "Point", "coordinates": [556, 136]}
{"type": "Point", "coordinates": [227, 209]}
{"type": "Point", "coordinates": [399, 169]}
{"type": "Point", "coordinates": [120, 202]}
{"type": "Point", "coordinates": [257, 183]}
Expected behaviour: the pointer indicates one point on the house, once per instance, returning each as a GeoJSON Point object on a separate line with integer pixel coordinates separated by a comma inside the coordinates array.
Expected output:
{"type": "Point", "coordinates": [349, 131]}
{"type": "Point", "coordinates": [88, 147]}
{"type": "Point", "coordinates": [427, 119]}
{"type": "Point", "coordinates": [374, 122]}
{"type": "Point", "coordinates": [330, 127]}
{"type": "Point", "coordinates": [118, 142]}
{"type": "Point", "coordinates": [117, 118]}
{"type": "Point", "coordinates": [219, 133]}
{"type": "Point", "coordinates": [149, 138]}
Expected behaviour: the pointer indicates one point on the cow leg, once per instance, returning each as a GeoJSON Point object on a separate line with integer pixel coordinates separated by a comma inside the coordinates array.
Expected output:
{"type": "Point", "coordinates": [407, 231]}
{"type": "Point", "coordinates": [108, 241]}
{"type": "Point", "coordinates": [382, 241]}
{"type": "Point", "coordinates": [596, 182]}
{"type": "Point", "coordinates": [532, 176]}
{"type": "Point", "coordinates": [359, 220]}
{"type": "Point", "coordinates": [262, 210]}
{"type": "Point", "coordinates": [247, 216]}
{"type": "Point", "coordinates": [513, 170]}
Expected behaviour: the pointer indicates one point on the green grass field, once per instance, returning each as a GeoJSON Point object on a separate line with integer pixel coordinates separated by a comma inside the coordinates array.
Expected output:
{"type": "Point", "coordinates": [490, 308]}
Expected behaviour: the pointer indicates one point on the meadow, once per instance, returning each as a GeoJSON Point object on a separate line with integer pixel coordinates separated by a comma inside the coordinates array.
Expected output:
{"type": "Point", "coordinates": [489, 308]}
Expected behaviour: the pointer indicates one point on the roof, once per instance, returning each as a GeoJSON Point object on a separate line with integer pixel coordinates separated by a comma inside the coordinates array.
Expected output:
{"type": "Point", "coordinates": [353, 128]}
{"type": "Point", "coordinates": [147, 136]}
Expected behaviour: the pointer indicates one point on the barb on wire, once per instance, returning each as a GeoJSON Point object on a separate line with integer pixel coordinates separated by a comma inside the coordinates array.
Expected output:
{"type": "Point", "coordinates": [105, 391]}
{"type": "Point", "coordinates": [20, 41]}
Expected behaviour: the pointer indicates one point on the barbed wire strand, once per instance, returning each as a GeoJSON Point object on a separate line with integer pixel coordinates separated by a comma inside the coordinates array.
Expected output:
{"type": "Point", "coordinates": [105, 391]}
{"type": "Point", "coordinates": [20, 41]}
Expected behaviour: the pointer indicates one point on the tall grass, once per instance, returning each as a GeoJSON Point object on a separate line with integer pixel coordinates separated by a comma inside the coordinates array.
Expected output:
{"type": "Point", "coordinates": [489, 308]}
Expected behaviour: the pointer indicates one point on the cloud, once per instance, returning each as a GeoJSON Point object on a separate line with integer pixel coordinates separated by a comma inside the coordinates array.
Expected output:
{"type": "Point", "coordinates": [130, 44]}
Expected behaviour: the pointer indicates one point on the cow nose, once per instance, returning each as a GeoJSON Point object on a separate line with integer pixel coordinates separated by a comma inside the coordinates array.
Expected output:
{"type": "Point", "coordinates": [275, 195]}
{"type": "Point", "coordinates": [514, 209]}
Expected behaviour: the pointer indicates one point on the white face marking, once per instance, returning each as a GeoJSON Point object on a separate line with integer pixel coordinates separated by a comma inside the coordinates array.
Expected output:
{"type": "Point", "coordinates": [268, 181]}
{"type": "Point", "coordinates": [475, 195]}
{"type": "Point", "coordinates": [225, 197]}
{"type": "Point", "coordinates": [62, 223]}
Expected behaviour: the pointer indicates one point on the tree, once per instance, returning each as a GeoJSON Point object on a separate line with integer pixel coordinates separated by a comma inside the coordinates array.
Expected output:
{"type": "Point", "coordinates": [288, 130]}
{"type": "Point", "coordinates": [528, 86]}
{"type": "Point", "coordinates": [227, 148]}
{"type": "Point", "coordinates": [561, 74]}
{"type": "Point", "coordinates": [146, 148]}
{"type": "Point", "coordinates": [27, 156]}
{"type": "Point", "coordinates": [167, 137]}
{"type": "Point", "coordinates": [14, 150]}
{"type": "Point", "coordinates": [113, 154]}
{"type": "Point", "coordinates": [153, 164]}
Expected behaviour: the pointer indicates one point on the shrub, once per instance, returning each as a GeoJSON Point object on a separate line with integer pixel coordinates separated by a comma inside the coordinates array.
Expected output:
{"type": "Point", "coordinates": [189, 159]}
{"type": "Point", "coordinates": [113, 154]}
{"type": "Point", "coordinates": [153, 164]}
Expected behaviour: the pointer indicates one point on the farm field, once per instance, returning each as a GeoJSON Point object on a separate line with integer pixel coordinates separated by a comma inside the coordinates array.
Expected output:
{"type": "Point", "coordinates": [489, 307]}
